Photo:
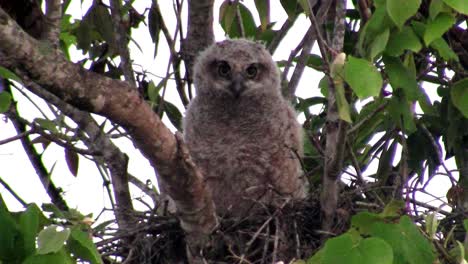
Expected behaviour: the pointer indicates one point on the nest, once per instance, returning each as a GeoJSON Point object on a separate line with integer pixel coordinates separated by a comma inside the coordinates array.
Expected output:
{"type": "Point", "coordinates": [276, 234]}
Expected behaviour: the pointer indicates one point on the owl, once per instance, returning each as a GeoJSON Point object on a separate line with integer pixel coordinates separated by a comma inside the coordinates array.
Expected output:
{"type": "Point", "coordinates": [241, 132]}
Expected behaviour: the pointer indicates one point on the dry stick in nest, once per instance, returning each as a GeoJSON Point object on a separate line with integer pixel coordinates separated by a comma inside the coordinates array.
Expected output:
{"type": "Point", "coordinates": [265, 224]}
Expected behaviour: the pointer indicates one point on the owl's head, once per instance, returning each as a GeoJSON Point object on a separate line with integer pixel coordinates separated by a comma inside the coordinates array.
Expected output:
{"type": "Point", "coordinates": [236, 68]}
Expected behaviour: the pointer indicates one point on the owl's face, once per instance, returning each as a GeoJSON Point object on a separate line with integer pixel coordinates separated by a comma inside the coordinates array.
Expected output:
{"type": "Point", "coordinates": [236, 68]}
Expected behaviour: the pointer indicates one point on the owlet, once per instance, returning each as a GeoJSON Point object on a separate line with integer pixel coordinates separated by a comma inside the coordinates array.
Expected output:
{"type": "Point", "coordinates": [240, 131]}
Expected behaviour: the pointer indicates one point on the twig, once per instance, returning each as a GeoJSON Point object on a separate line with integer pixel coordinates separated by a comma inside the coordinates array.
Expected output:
{"type": "Point", "coordinates": [359, 178]}
{"type": "Point", "coordinates": [34, 157]}
{"type": "Point", "coordinates": [18, 136]}
{"type": "Point", "coordinates": [13, 193]}
{"type": "Point", "coordinates": [301, 62]}
{"type": "Point", "coordinates": [274, 43]}
{"type": "Point", "coordinates": [275, 243]}
{"type": "Point", "coordinates": [438, 148]}
{"type": "Point", "coordinates": [359, 124]}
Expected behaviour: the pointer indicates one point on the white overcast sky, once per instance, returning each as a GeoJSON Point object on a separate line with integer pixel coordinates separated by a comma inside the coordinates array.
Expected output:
{"type": "Point", "coordinates": [85, 192]}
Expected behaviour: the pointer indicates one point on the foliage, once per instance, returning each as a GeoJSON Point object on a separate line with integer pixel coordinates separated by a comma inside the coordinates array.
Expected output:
{"type": "Point", "coordinates": [402, 90]}
{"type": "Point", "coordinates": [31, 237]}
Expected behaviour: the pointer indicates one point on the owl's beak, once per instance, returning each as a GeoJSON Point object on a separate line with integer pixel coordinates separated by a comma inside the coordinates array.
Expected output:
{"type": "Point", "coordinates": [237, 85]}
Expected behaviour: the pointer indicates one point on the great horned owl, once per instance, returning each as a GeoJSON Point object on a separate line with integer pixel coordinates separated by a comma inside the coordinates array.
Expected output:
{"type": "Point", "coordinates": [240, 131]}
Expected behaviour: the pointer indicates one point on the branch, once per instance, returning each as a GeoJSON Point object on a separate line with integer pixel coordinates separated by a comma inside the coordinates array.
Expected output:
{"type": "Point", "coordinates": [35, 159]}
{"type": "Point", "coordinates": [199, 31]}
{"type": "Point", "coordinates": [335, 128]}
{"type": "Point", "coordinates": [122, 104]}
{"type": "Point", "coordinates": [52, 22]}
{"type": "Point", "coordinates": [97, 142]}
{"type": "Point", "coordinates": [309, 41]}
{"type": "Point", "coordinates": [121, 41]}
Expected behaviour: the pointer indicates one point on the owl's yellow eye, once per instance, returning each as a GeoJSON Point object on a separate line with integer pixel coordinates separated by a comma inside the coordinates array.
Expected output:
{"type": "Point", "coordinates": [224, 70]}
{"type": "Point", "coordinates": [251, 71]}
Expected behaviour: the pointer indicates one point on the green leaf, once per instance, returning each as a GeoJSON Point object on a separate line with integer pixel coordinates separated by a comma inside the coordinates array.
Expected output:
{"type": "Point", "coordinates": [291, 7]}
{"type": "Point", "coordinates": [305, 6]}
{"type": "Point", "coordinates": [404, 39]}
{"type": "Point", "coordinates": [340, 250]}
{"type": "Point", "coordinates": [401, 10]}
{"type": "Point", "coordinates": [343, 249]}
{"type": "Point", "coordinates": [323, 85]}
{"type": "Point", "coordinates": [154, 25]}
{"type": "Point", "coordinates": [379, 44]}
{"type": "Point", "coordinates": [5, 101]}
{"type": "Point", "coordinates": [263, 9]}
{"type": "Point", "coordinates": [377, 24]}
{"type": "Point", "coordinates": [363, 77]}
{"type": "Point", "coordinates": [401, 78]}
{"type": "Point", "coordinates": [435, 7]}
{"type": "Point", "coordinates": [401, 114]}
{"type": "Point", "coordinates": [408, 244]}
{"type": "Point", "coordinates": [51, 239]}
{"type": "Point", "coordinates": [315, 62]}
{"type": "Point", "coordinates": [436, 28]}
{"type": "Point", "coordinates": [395, 208]}
{"type": "Point", "coordinates": [363, 221]}
{"type": "Point", "coordinates": [342, 103]}
{"type": "Point", "coordinates": [458, 5]}
{"type": "Point", "coordinates": [60, 257]}
{"type": "Point", "coordinates": [173, 114]}
{"type": "Point", "coordinates": [102, 22]}
{"type": "Point", "coordinates": [7, 74]}
{"type": "Point", "coordinates": [375, 251]}
{"type": "Point", "coordinates": [47, 124]}
{"type": "Point", "coordinates": [73, 160]}
{"type": "Point", "coordinates": [228, 20]}
{"type": "Point", "coordinates": [83, 247]}
{"type": "Point", "coordinates": [10, 236]}
{"type": "Point", "coordinates": [431, 224]}
{"type": "Point", "coordinates": [459, 95]}
{"type": "Point", "coordinates": [443, 49]}
{"type": "Point", "coordinates": [30, 222]}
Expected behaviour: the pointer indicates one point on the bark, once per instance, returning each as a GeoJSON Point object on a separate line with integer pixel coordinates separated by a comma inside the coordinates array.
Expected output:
{"type": "Point", "coordinates": [335, 128]}
{"type": "Point", "coordinates": [96, 140]}
{"type": "Point", "coordinates": [199, 31]}
{"type": "Point", "coordinates": [122, 104]}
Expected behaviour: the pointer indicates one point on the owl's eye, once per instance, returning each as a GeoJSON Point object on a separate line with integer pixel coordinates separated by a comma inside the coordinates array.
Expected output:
{"type": "Point", "coordinates": [251, 71]}
{"type": "Point", "coordinates": [224, 70]}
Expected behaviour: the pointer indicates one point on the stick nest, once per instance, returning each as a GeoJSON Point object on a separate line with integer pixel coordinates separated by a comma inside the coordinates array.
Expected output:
{"type": "Point", "coordinates": [290, 232]}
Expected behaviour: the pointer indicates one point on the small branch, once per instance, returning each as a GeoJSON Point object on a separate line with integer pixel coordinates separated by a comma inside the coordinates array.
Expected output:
{"type": "Point", "coordinates": [363, 121]}
{"type": "Point", "coordinates": [143, 187]}
{"type": "Point", "coordinates": [365, 11]}
{"type": "Point", "coordinates": [309, 40]}
{"type": "Point", "coordinates": [359, 178]}
{"type": "Point", "coordinates": [13, 193]}
{"type": "Point", "coordinates": [18, 136]}
{"type": "Point", "coordinates": [280, 35]}
{"type": "Point", "coordinates": [34, 157]}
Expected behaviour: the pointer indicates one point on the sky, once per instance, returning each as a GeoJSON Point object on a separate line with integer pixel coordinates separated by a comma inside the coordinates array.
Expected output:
{"type": "Point", "coordinates": [85, 192]}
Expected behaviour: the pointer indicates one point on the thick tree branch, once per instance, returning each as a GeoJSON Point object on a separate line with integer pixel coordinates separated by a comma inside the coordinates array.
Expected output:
{"type": "Point", "coordinates": [122, 104]}
{"type": "Point", "coordinates": [199, 31]}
